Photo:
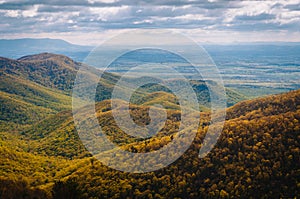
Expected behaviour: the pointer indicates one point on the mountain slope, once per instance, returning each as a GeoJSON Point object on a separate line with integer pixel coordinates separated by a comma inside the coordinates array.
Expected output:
{"type": "Point", "coordinates": [257, 156]}
{"type": "Point", "coordinates": [35, 87]}
{"type": "Point", "coordinates": [55, 71]}
{"type": "Point", "coordinates": [254, 157]}
{"type": "Point", "coordinates": [43, 83]}
{"type": "Point", "coordinates": [25, 101]}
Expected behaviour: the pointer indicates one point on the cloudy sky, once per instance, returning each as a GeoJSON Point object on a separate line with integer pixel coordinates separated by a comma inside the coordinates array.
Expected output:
{"type": "Point", "coordinates": [92, 21]}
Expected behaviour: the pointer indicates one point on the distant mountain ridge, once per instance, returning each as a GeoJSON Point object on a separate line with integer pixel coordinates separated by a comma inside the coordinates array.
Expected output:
{"type": "Point", "coordinates": [15, 48]}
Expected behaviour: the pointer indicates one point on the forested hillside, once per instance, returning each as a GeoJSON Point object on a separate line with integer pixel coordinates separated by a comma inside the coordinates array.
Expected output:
{"type": "Point", "coordinates": [257, 155]}
{"type": "Point", "coordinates": [37, 86]}
{"type": "Point", "coordinates": [41, 155]}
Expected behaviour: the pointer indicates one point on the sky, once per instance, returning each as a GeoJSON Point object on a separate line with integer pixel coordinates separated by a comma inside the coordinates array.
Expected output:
{"type": "Point", "coordinates": [89, 22]}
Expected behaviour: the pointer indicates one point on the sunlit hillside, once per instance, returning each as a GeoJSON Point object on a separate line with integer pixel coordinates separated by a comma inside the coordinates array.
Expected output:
{"type": "Point", "coordinates": [257, 154]}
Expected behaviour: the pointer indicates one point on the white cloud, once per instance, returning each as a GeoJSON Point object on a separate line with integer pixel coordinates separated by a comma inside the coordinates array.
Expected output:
{"type": "Point", "coordinates": [248, 8]}
{"type": "Point", "coordinates": [193, 17]}
{"type": "Point", "coordinates": [102, 1]}
{"type": "Point", "coordinates": [110, 13]}
{"type": "Point", "coordinates": [288, 17]}
{"type": "Point", "coordinates": [264, 15]}
{"type": "Point", "coordinates": [11, 13]}
{"type": "Point", "coordinates": [31, 12]}
{"type": "Point", "coordinates": [149, 21]}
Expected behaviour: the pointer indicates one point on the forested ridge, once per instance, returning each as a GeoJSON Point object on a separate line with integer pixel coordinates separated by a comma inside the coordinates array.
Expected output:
{"type": "Point", "coordinates": [256, 156]}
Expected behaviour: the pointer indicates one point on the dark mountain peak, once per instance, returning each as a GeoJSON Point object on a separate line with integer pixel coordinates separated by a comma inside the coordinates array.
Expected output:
{"type": "Point", "coordinates": [44, 56]}
{"type": "Point", "coordinates": [4, 59]}
{"type": "Point", "coordinates": [7, 64]}
{"type": "Point", "coordinates": [50, 61]}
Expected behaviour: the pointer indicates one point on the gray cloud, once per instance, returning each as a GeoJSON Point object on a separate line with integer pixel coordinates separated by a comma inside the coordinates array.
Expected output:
{"type": "Point", "coordinates": [293, 7]}
{"type": "Point", "coordinates": [98, 15]}
{"type": "Point", "coordinates": [259, 17]}
{"type": "Point", "coordinates": [19, 4]}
